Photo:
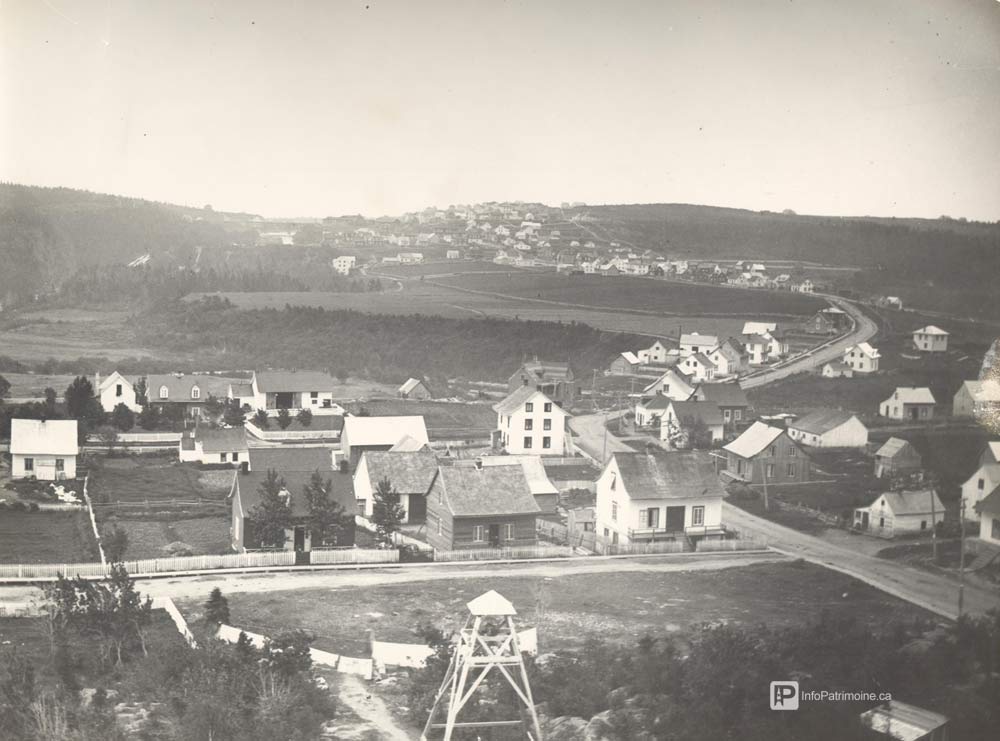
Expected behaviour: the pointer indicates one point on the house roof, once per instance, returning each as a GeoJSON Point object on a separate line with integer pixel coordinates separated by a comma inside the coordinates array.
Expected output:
{"type": "Point", "coordinates": [985, 391]}
{"type": "Point", "coordinates": [43, 437]}
{"type": "Point", "coordinates": [913, 395]}
{"type": "Point", "coordinates": [990, 472]}
{"type": "Point", "coordinates": [893, 447]}
{"type": "Point", "coordinates": [910, 502]}
{"type": "Point", "coordinates": [409, 472]}
{"type": "Point", "coordinates": [931, 329]}
{"type": "Point", "coordinates": [679, 375]}
{"type": "Point", "coordinates": [703, 359]}
{"type": "Point", "coordinates": [548, 369]}
{"type": "Point", "coordinates": [534, 471]}
{"type": "Point", "coordinates": [994, 448]}
{"type": "Point", "coordinates": [342, 489]}
{"type": "Point", "coordinates": [705, 340]}
{"type": "Point", "coordinates": [113, 377]}
{"type": "Point", "coordinates": [284, 381]}
{"type": "Point", "coordinates": [630, 357]}
{"type": "Point", "coordinates": [221, 441]}
{"type": "Point", "coordinates": [491, 490]}
{"type": "Point", "coordinates": [759, 327]}
{"type": "Point", "coordinates": [179, 387]}
{"type": "Point", "coordinates": [240, 390]}
{"type": "Point", "coordinates": [656, 402]}
{"type": "Point", "coordinates": [724, 394]}
{"type": "Point", "coordinates": [989, 503]}
{"type": "Point", "coordinates": [517, 398]}
{"type": "Point", "coordinates": [409, 385]}
{"type": "Point", "coordinates": [383, 430]}
{"type": "Point", "coordinates": [674, 475]}
{"type": "Point", "coordinates": [753, 440]}
{"type": "Point", "coordinates": [707, 411]}
{"type": "Point", "coordinates": [822, 421]}
{"type": "Point", "coordinates": [408, 444]}
{"type": "Point", "coordinates": [291, 459]}
{"type": "Point", "coordinates": [491, 603]}
{"type": "Point", "coordinates": [754, 339]}
{"type": "Point", "coordinates": [837, 366]}
{"type": "Point", "coordinates": [866, 348]}
{"type": "Point", "coordinates": [901, 721]}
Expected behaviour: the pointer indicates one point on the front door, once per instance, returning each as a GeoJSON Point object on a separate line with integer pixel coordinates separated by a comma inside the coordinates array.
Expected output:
{"type": "Point", "coordinates": [494, 536]}
{"type": "Point", "coordinates": [864, 520]}
{"type": "Point", "coordinates": [284, 400]}
{"type": "Point", "coordinates": [913, 413]}
{"type": "Point", "coordinates": [300, 538]}
{"type": "Point", "coordinates": [675, 519]}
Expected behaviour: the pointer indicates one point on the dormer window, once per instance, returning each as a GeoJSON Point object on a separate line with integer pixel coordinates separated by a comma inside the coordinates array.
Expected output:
{"type": "Point", "coordinates": [195, 392]}
{"type": "Point", "coordinates": [164, 392]}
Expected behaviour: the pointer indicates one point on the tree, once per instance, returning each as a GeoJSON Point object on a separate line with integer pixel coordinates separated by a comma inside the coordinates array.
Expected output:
{"type": "Point", "coordinates": [149, 417]}
{"type": "Point", "coordinates": [115, 543]}
{"type": "Point", "coordinates": [260, 419]}
{"type": "Point", "coordinates": [83, 406]}
{"type": "Point", "coordinates": [284, 418]}
{"type": "Point", "coordinates": [387, 512]}
{"type": "Point", "coordinates": [342, 374]}
{"type": "Point", "coordinates": [4, 388]}
{"type": "Point", "coordinates": [234, 416]}
{"type": "Point", "coordinates": [326, 516]}
{"type": "Point", "coordinates": [50, 400]}
{"type": "Point", "coordinates": [123, 418]}
{"type": "Point", "coordinates": [304, 417]}
{"type": "Point", "coordinates": [108, 436]}
{"type": "Point", "coordinates": [271, 516]}
{"type": "Point", "coordinates": [140, 391]}
{"type": "Point", "coordinates": [217, 608]}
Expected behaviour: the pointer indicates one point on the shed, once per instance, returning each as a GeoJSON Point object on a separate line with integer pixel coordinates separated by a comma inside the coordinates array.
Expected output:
{"type": "Point", "coordinates": [829, 428]}
{"type": "Point", "coordinates": [896, 457]}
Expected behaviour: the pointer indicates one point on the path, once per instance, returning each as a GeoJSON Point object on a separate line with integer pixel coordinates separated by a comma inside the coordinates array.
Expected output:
{"type": "Point", "coordinates": [933, 592]}
{"type": "Point", "coordinates": [358, 697]}
{"type": "Point", "coordinates": [590, 435]}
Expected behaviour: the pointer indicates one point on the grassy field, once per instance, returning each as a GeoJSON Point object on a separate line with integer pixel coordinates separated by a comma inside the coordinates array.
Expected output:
{"type": "Point", "coordinates": [446, 267]}
{"type": "Point", "coordinates": [156, 478]}
{"type": "Point", "coordinates": [148, 536]}
{"type": "Point", "coordinates": [444, 420]}
{"type": "Point", "coordinates": [33, 385]}
{"type": "Point", "coordinates": [569, 610]}
{"type": "Point", "coordinates": [66, 334]}
{"type": "Point", "coordinates": [46, 537]}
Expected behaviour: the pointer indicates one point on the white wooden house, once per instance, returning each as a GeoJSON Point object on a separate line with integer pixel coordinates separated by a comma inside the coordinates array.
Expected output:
{"type": "Point", "coordinates": [294, 391]}
{"type": "Point", "coordinates": [681, 415]}
{"type": "Point", "coordinates": [43, 449]}
{"type": "Point", "coordinates": [909, 402]}
{"type": "Point", "coordinates": [988, 512]}
{"type": "Point", "coordinates": [411, 474]}
{"type": "Point", "coordinates": [977, 399]}
{"type": "Point", "coordinates": [977, 486]}
{"type": "Point", "coordinates": [692, 342]}
{"type": "Point", "coordinates": [698, 367]}
{"type": "Point", "coordinates": [930, 339]}
{"type": "Point", "coordinates": [529, 422]}
{"type": "Point", "coordinates": [674, 384]}
{"type": "Point", "coordinates": [862, 358]}
{"type": "Point", "coordinates": [655, 354]}
{"type": "Point", "coordinates": [113, 390]}
{"type": "Point", "coordinates": [205, 445]}
{"type": "Point", "coordinates": [645, 497]}
{"type": "Point", "coordinates": [829, 428]}
{"type": "Point", "coordinates": [897, 512]}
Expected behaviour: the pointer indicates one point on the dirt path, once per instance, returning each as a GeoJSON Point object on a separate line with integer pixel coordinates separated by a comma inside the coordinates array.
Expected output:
{"type": "Point", "coordinates": [370, 708]}
{"type": "Point", "coordinates": [589, 436]}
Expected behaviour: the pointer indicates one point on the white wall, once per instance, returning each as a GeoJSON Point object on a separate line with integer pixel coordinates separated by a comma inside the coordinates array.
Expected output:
{"type": "Point", "coordinates": [972, 494]}
{"type": "Point", "coordinates": [513, 432]}
{"type": "Point", "coordinates": [109, 398]}
{"type": "Point", "coordinates": [986, 527]}
{"type": "Point", "coordinates": [44, 468]}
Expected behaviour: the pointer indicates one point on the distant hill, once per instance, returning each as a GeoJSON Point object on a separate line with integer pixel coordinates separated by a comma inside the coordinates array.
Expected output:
{"type": "Point", "coordinates": [47, 234]}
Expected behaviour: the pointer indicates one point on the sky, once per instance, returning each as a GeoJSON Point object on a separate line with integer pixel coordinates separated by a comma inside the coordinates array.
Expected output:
{"type": "Point", "coordinates": [854, 107]}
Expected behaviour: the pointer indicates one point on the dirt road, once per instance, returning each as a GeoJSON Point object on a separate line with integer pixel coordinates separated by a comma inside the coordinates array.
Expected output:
{"type": "Point", "coordinates": [589, 435]}
{"type": "Point", "coordinates": [930, 591]}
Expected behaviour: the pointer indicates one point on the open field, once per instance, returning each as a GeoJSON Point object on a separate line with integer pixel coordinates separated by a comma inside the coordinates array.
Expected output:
{"type": "Point", "coordinates": [446, 267]}
{"type": "Point", "coordinates": [32, 385]}
{"type": "Point", "coordinates": [66, 334]}
{"type": "Point", "coordinates": [46, 537]}
{"type": "Point", "coordinates": [570, 609]}
{"type": "Point", "coordinates": [444, 420]}
{"type": "Point", "coordinates": [148, 536]}
{"type": "Point", "coordinates": [156, 478]}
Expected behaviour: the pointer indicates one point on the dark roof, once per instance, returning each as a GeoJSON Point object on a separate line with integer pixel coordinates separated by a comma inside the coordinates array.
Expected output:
{"type": "Point", "coordinates": [179, 387]}
{"type": "Point", "coordinates": [221, 441]}
{"type": "Point", "coordinates": [496, 490]}
{"type": "Point", "coordinates": [673, 475]}
{"type": "Point", "coordinates": [409, 472]}
{"type": "Point", "coordinates": [294, 381]}
{"type": "Point", "coordinates": [547, 369]}
{"type": "Point", "coordinates": [291, 459]}
{"type": "Point", "coordinates": [659, 401]}
{"type": "Point", "coordinates": [821, 421]}
{"type": "Point", "coordinates": [724, 394]}
{"type": "Point", "coordinates": [990, 503]}
{"type": "Point", "coordinates": [707, 411]}
{"type": "Point", "coordinates": [295, 482]}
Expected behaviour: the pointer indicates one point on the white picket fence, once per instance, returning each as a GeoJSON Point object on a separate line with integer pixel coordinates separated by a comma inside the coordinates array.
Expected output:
{"type": "Point", "coordinates": [354, 555]}
{"type": "Point", "coordinates": [148, 566]}
{"type": "Point", "coordinates": [621, 549]}
{"type": "Point", "coordinates": [501, 554]}
{"type": "Point", "coordinates": [739, 544]}
{"type": "Point", "coordinates": [149, 437]}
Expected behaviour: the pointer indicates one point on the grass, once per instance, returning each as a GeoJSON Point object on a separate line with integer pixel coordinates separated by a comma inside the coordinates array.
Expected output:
{"type": "Point", "coordinates": [444, 420]}
{"type": "Point", "coordinates": [445, 267]}
{"type": "Point", "coordinates": [67, 334]}
{"type": "Point", "coordinates": [569, 610]}
{"type": "Point", "coordinates": [147, 537]}
{"type": "Point", "coordinates": [155, 479]}
{"type": "Point", "coordinates": [46, 537]}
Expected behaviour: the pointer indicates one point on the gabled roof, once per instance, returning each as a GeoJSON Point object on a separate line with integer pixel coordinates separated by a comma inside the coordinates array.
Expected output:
{"type": "Point", "coordinates": [383, 430]}
{"type": "Point", "coordinates": [754, 339]}
{"type": "Point", "coordinates": [179, 387]}
{"type": "Point", "coordinates": [518, 398]}
{"type": "Point", "coordinates": [409, 385]}
{"type": "Point", "coordinates": [753, 440]}
{"type": "Point", "coordinates": [693, 338]}
{"type": "Point", "coordinates": [903, 722]}
{"type": "Point", "coordinates": [724, 394]}
{"type": "Point", "coordinates": [113, 377]}
{"type": "Point", "coordinates": [822, 421]}
{"type": "Point", "coordinates": [342, 489]}
{"type": "Point", "coordinates": [294, 381]}
{"type": "Point", "coordinates": [989, 472]}
{"type": "Point", "coordinates": [491, 603]}
{"type": "Point", "coordinates": [703, 359]}
{"type": "Point", "coordinates": [221, 441]}
{"type": "Point", "coordinates": [674, 475]}
{"type": "Point", "coordinates": [43, 437]}
{"type": "Point", "coordinates": [931, 329]}
{"type": "Point", "coordinates": [983, 391]}
{"type": "Point", "coordinates": [912, 395]}
{"type": "Point", "coordinates": [548, 369]}
{"type": "Point", "coordinates": [240, 390]}
{"type": "Point", "coordinates": [534, 471]}
{"type": "Point", "coordinates": [865, 348]}
{"type": "Point", "coordinates": [679, 375]}
{"type": "Point", "coordinates": [659, 401]}
{"type": "Point", "coordinates": [911, 502]}
{"type": "Point", "coordinates": [409, 472]}
{"type": "Point", "coordinates": [837, 366]}
{"type": "Point", "coordinates": [707, 411]}
{"type": "Point", "coordinates": [989, 503]}
{"type": "Point", "coordinates": [994, 448]}
{"type": "Point", "coordinates": [759, 327]}
{"type": "Point", "coordinates": [893, 447]}
{"type": "Point", "coordinates": [291, 459]}
{"type": "Point", "coordinates": [630, 357]}
{"type": "Point", "coordinates": [495, 490]}
{"type": "Point", "coordinates": [408, 444]}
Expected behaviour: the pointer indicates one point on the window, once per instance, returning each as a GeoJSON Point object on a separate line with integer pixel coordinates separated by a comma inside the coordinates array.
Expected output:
{"type": "Point", "coordinates": [195, 392]}
{"type": "Point", "coordinates": [773, 450]}
{"type": "Point", "coordinates": [508, 531]}
{"type": "Point", "coordinates": [314, 395]}
{"type": "Point", "coordinates": [769, 470]}
{"type": "Point", "coordinates": [361, 503]}
{"type": "Point", "coordinates": [60, 464]}
{"type": "Point", "coordinates": [607, 532]}
{"type": "Point", "coordinates": [614, 482]}
{"type": "Point", "coordinates": [164, 392]}
{"type": "Point", "coordinates": [222, 457]}
{"type": "Point", "coordinates": [738, 414]}
{"type": "Point", "coordinates": [923, 524]}
{"type": "Point", "coordinates": [527, 443]}
{"type": "Point", "coordinates": [118, 389]}
{"type": "Point", "coordinates": [29, 464]}
{"type": "Point", "coordinates": [792, 451]}
{"type": "Point", "coordinates": [995, 529]}
{"type": "Point", "coordinates": [546, 424]}
{"type": "Point", "coordinates": [529, 424]}
{"type": "Point", "coordinates": [790, 470]}
{"type": "Point", "coordinates": [980, 484]}
{"type": "Point", "coordinates": [697, 515]}
{"type": "Point", "coordinates": [614, 511]}
{"type": "Point", "coordinates": [477, 534]}
{"type": "Point", "coordinates": [529, 407]}
{"type": "Point", "coordinates": [547, 406]}
{"type": "Point", "coordinates": [439, 526]}
{"type": "Point", "coordinates": [727, 415]}
{"type": "Point", "coordinates": [236, 457]}
{"type": "Point", "coordinates": [546, 442]}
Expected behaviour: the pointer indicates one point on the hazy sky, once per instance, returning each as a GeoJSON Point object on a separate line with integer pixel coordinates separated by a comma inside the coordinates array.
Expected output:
{"type": "Point", "coordinates": [887, 107]}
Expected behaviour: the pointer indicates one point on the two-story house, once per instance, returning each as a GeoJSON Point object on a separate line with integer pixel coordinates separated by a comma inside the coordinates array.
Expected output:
{"type": "Point", "coordinates": [113, 390]}
{"type": "Point", "coordinates": [862, 358]}
{"type": "Point", "coordinates": [184, 394]}
{"type": "Point", "coordinates": [930, 339]}
{"type": "Point", "coordinates": [766, 454]}
{"type": "Point", "coordinates": [411, 474]}
{"type": "Point", "coordinates": [698, 367]}
{"type": "Point", "coordinates": [693, 342]}
{"type": "Point", "coordinates": [530, 422]}
{"type": "Point", "coordinates": [674, 384]}
{"type": "Point", "coordinates": [731, 400]}
{"type": "Point", "coordinates": [553, 379]}
{"type": "Point", "coordinates": [644, 497]}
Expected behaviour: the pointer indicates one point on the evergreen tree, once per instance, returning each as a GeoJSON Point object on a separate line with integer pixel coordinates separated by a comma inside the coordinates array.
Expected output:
{"type": "Point", "coordinates": [234, 416]}
{"type": "Point", "coordinates": [387, 512]}
{"type": "Point", "coordinates": [217, 608]}
{"type": "Point", "coordinates": [115, 543]}
{"type": "Point", "coordinates": [123, 418]}
{"type": "Point", "coordinates": [304, 417]}
{"type": "Point", "coordinates": [260, 419]}
{"type": "Point", "coordinates": [149, 417]}
{"type": "Point", "coordinates": [326, 517]}
{"type": "Point", "coordinates": [284, 418]}
{"type": "Point", "coordinates": [271, 516]}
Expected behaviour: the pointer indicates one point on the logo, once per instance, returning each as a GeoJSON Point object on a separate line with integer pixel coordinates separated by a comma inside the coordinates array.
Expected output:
{"type": "Point", "coordinates": [785, 695]}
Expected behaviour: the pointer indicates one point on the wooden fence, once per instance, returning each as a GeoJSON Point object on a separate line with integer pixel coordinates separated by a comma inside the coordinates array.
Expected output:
{"type": "Point", "coordinates": [501, 554]}
{"type": "Point", "coordinates": [606, 548]}
{"type": "Point", "coordinates": [738, 544]}
{"type": "Point", "coordinates": [354, 555]}
{"type": "Point", "coordinates": [147, 566]}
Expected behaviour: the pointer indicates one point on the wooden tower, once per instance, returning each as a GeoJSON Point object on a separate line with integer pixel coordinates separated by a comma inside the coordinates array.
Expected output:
{"type": "Point", "coordinates": [487, 644]}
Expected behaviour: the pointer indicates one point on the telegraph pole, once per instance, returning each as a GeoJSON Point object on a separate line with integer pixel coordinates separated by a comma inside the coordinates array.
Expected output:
{"type": "Point", "coordinates": [961, 559]}
{"type": "Point", "coordinates": [934, 526]}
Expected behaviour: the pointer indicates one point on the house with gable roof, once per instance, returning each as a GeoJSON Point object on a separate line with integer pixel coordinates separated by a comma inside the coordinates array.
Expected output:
{"type": "Point", "coordinates": [981, 483]}
{"type": "Point", "coordinates": [829, 428]}
{"type": "Point", "coordinates": [294, 391]}
{"type": "Point", "coordinates": [113, 390]}
{"type": "Point", "coordinates": [411, 474]}
{"type": "Point", "coordinates": [897, 457]}
{"type": "Point", "coordinates": [681, 419]}
{"type": "Point", "coordinates": [862, 358]}
{"type": "Point", "coordinates": [546, 493]}
{"type": "Point", "coordinates": [693, 342]}
{"type": "Point", "coordinates": [730, 358]}
{"type": "Point", "coordinates": [896, 512]}
{"type": "Point", "coordinates": [530, 422]}
{"type": "Point", "coordinates": [674, 384]}
{"type": "Point", "coordinates": [765, 452]}
{"type": "Point", "coordinates": [731, 400]}
{"type": "Point", "coordinates": [553, 379]}
{"type": "Point", "coordinates": [185, 394]}
{"type": "Point", "coordinates": [205, 445]}
{"type": "Point", "coordinates": [471, 507]}
{"type": "Point", "coordinates": [988, 512]}
{"type": "Point", "coordinates": [645, 496]}
{"type": "Point", "coordinates": [909, 402]}
{"type": "Point", "coordinates": [698, 367]}
{"type": "Point", "coordinates": [414, 388]}
{"type": "Point", "coordinates": [43, 449]}
{"type": "Point", "coordinates": [379, 433]}
{"type": "Point", "coordinates": [977, 399]}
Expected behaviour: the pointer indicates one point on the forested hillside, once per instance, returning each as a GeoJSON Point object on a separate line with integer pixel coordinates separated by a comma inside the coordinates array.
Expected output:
{"type": "Point", "coordinates": [380, 347]}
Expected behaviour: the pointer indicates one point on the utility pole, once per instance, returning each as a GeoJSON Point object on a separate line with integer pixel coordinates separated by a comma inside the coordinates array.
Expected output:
{"type": "Point", "coordinates": [763, 463]}
{"type": "Point", "coordinates": [961, 559]}
{"type": "Point", "coordinates": [934, 526]}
